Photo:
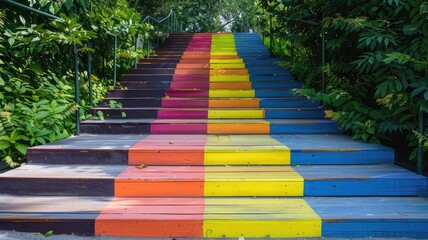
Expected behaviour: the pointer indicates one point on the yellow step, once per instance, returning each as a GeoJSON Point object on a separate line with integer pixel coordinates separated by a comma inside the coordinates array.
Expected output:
{"type": "Point", "coordinates": [259, 218]}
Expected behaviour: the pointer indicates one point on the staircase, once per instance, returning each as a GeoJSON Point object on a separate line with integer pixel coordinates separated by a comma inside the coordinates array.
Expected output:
{"type": "Point", "coordinates": [210, 142]}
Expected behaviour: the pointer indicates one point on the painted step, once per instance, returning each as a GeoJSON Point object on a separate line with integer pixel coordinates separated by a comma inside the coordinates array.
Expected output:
{"type": "Point", "coordinates": [361, 217]}
{"type": "Point", "coordinates": [208, 218]}
{"type": "Point", "coordinates": [156, 65]}
{"type": "Point", "coordinates": [219, 126]}
{"type": "Point", "coordinates": [60, 214]}
{"type": "Point", "coordinates": [230, 93]}
{"type": "Point", "coordinates": [61, 180]}
{"type": "Point", "coordinates": [208, 85]}
{"type": "Point", "coordinates": [390, 217]}
{"type": "Point", "coordinates": [361, 180]}
{"type": "Point", "coordinates": [291, 102]}
{"type": "Point", "coordinates": [201, 93]}
{"type": "Point", "coordinates": [161, 217]}
{"type": "Point", "coordinates": [209, 71]}
{"type": "Point", "coordinates": [255, 150]}
{"type": "Point", "coordinates": [211, 113]}
{"type": "Point", "coordinates": [194, 181]}
{"type": "Point", "coordinates": [167, 149]}
{"type": "Point", "coordinates": [213, 78]}
{"type": "Point", "coordinates": [85, 149]}
{"type": "Point", "coordinates": [335, 180]}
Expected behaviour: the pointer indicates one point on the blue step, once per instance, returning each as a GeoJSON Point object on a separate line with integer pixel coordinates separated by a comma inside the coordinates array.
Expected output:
{"type": "Point", "coordinates": [294, 113]}
{"type": "Point", "coordinates": [361, 180]}
{"type": "Point", "coordinates": [299, 126]}
{"type": "Point", "coordinates": [337, 149]}
{"type": "Point", "coordinates": [361, 217]}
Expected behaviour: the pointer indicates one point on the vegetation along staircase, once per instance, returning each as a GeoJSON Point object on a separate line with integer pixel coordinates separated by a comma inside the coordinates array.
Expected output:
{"type": "Point", "coordinates": [213, 144]}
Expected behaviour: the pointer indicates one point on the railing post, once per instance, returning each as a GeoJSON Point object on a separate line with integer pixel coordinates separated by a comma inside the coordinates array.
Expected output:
{"type": "Point", "coordinates": [115, 60]}
{"type": "Point", "coordinates": [137, 42]}
{"type": "Point", "coordinates": [292, 51]}
{"type": "Point", "coordinates": [420, 147]}
{"type": "Point", "coordinates": [270, 34]}
{"type": "Point", "coordinates": [157, 39]}
{"type": "Point", "coordinates": [148, 47]}
{"type": "Point", "coordinates": [323, 58]}
{"type": "Point", "coordinates": [91, 100]}
{"type": "Point", "coordinates": [76, 87]}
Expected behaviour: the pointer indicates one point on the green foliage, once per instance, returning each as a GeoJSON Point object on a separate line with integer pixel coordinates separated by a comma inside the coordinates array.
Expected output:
{"type": "Point", "coordinates": [36, 62]}
{"type": "Point", "coordinates": [376, 62]}
{"type": "Point", "coordinates": [200, 15]}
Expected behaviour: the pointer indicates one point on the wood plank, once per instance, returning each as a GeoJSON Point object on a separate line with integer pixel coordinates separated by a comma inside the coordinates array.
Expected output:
{"type": "Point", "coordinates": [160, 181]}
{"type": "Point", "coordinates": [364, 180]}
{"type": "Point", "coordinates": [252, 181]}
{"type": "Point", "coordinates": [60, 180]}
{"type": "Point", "coordinates": [152, 217]}
{"type": "Point", "coordinates": [336, 149]}
{"type": "Point", "coordinates": [85, 149]}
{"type": "Point", "coordinates": [260, 217]}
{"type": "Point", "coordinates": [372, 216]}
{"type": "Point", "coordinates": [231, 93]}
{"type": "Point", "coordinates": [236, 114]}
{"type": "Point", "coordinates": [168, 149]}
{"type": "Point", "coordinates": [41, 214]}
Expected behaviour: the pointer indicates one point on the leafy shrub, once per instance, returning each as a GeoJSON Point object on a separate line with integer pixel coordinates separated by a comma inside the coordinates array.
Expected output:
{"type": "Point", "coordinates": [376, 62]}
{"type": "Point", "coordinates": [36, 59]}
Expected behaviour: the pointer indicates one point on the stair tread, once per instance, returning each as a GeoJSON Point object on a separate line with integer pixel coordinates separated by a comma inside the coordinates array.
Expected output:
{"type": "Point", "coordinates": [191, 121]}
{"type": "Point", "coordinates": [328, 208]}
{"type": "Point", "coordinates": [296, 142]}
{"type": "Point", "coordinates": [203, 109]}
{"type": "Point", "coordinates": [227, 173]}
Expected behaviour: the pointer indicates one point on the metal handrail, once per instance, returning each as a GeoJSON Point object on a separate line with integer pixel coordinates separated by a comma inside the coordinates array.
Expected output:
{"type": "Point", "coordinates": [173, 26]}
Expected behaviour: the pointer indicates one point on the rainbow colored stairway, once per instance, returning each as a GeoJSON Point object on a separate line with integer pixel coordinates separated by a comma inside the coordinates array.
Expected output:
{"type": "Point", "coordinates": [213, 145]}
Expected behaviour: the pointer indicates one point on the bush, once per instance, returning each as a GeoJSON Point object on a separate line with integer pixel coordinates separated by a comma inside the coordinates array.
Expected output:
{"type": "Point", "coordinates": [376, 62]}
{"type": "Point", "coordinates": [36, 62]}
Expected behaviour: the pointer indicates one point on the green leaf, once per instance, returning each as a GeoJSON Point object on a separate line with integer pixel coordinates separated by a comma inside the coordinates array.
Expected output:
{"type": "Point", "coordinates": [11, 41]}
{"type": "Point", "coordinates": [41, 140]}
{"type": "Point", "coordinates": [49, 233]}
{"type": "Point", "coordinates": [21, 148]}
{"type": "Point", "coordinates": [42, 115]}
{"type": "Point", "coordinates": [410, 29]}
{"type": "Point", "coordinates": [4, 145]}
{"type": "Point", "coordinates": [405, 118]}
{"type": "Point", "coordinates": [35, 67]}
{"type": "Point", "coordinates": [22, 19]}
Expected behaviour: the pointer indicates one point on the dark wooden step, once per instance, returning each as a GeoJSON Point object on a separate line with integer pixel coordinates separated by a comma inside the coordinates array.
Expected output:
{"type": "Point", "coordinates": [185, 181]}
{"type": "Point", "coordinates": [195, 113]}
{"type": "Point", "coordinates": [85, 149]}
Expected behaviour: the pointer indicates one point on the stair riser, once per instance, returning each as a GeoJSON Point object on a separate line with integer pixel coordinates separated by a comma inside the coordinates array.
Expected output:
{"type": "Point", "coordinates": [196, 157]}
{"type": "Point", "coordinates": [203, 128]}
{"type": "Point", "coordinates": [193, 103]}
{"type": "Point", "coordinates": [110, 157]}
{"type": "Point", "coordinates": [213, 114]}
{"type": "Point", "coordinates": [142, 186]}
{"type": "Point", "coordinates": [262, 93]}
{"type": "Point", "coordinates": [207, 85]}
{"type": "Point", "coordinates": [182, 77]}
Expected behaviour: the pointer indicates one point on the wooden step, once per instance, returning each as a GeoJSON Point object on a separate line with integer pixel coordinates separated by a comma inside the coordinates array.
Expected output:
{"type": "Point", "coordinates": [211, 113]}
{"type": "Point", "coordinates": [289, 102]}
{"type": "Point", "coordinates": [359, 217]}
{"type": "Point", "coordinates": [206, 85]}
{"type": "Point", "coordinates": [199, 181]}
{"type": "Point", "coordinates": [212, 126]}
{"type": "Point", "coordinates": [303, 149]}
